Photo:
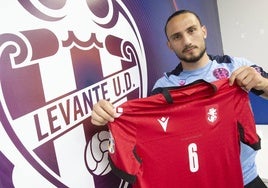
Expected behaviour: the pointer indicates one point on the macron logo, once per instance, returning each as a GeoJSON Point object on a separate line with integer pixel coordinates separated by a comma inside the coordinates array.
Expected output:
{"type": "Point", "coordinates": [163, 122]}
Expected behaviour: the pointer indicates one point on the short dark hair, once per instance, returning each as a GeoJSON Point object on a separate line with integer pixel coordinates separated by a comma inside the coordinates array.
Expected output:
{"type": "Point", "coordinates": [179, 12]}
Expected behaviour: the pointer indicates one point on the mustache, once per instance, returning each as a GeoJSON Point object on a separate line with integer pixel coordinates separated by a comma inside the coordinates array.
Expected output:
{"type": "Point", "coordinates": [188, 47]}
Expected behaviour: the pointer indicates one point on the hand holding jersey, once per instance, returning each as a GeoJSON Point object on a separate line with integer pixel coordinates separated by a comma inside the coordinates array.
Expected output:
{"type": "Point", "coordinates": [102, 113]}
{"type": "Point", "coordinates": [182, 136]}
{"type": "Point", "coordinates": [248, 78]}
{"type": "Point", "coordinates": [245, 76]}
{"type": "Point", "coordinates": [186, 38]}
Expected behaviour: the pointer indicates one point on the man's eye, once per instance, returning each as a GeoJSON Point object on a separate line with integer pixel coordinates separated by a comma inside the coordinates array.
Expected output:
{"type": "Point", "coordinates": [191, 30]}
{"type": "Point", "coordinates": [176, 37]}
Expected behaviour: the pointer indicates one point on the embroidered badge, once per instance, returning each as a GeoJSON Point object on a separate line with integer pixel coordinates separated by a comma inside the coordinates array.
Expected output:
{"type": "Point", "coordinates": [221, 73]}
{"type": "Point", "coordinates": [212, 114]}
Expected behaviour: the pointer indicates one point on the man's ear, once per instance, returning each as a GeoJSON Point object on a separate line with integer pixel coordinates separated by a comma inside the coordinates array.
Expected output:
{"type": "Point", "coordinates": [169, 46]}
{"type": "Point", "coordinates": [204, 31]}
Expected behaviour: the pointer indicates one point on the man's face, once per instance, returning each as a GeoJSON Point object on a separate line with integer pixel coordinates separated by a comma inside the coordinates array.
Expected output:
{"type": "Point", "coordinates": [186, 37]}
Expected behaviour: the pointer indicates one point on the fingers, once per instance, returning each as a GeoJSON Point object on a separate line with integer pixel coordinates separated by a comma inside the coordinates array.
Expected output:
{"type": "Point", "coordinates": [235, 74]}
{"type": "Point", "coordinates": [102, 113]}
{"type": "Point", "coordinates": [246, 77]}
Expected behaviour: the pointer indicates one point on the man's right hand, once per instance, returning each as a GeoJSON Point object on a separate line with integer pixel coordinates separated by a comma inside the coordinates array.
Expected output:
{"type": "Point", "coordinates": [102, 113]}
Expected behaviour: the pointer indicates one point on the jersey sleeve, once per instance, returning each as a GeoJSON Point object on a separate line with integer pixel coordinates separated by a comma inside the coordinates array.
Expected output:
{"type": "Point", "coordinates": [123, 159]}
{"type": "Point", "coordinates": [245, 120]}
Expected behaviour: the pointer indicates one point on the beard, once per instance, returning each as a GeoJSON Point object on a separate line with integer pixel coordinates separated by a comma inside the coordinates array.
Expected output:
{"type": "Point", "coordinates": [192, 58]}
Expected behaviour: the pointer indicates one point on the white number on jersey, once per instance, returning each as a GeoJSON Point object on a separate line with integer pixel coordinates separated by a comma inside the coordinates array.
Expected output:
{"type": "Point", "coordinates": [193, 157]}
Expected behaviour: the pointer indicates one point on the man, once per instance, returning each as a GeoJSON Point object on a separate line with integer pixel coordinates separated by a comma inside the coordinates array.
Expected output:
{"type": "Point", "coordinates": [186, 38]}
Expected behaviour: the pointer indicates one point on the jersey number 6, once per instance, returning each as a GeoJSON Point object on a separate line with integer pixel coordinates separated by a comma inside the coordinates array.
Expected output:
{"type": "Point", "coordinates": [193, 157]}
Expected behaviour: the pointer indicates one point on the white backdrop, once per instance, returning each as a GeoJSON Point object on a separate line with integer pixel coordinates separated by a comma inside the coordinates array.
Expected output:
{"type": "Point", "coordinates": [244, 29]}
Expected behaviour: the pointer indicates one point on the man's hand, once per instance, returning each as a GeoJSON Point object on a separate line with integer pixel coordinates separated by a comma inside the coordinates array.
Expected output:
{"type": "Point", "coordinates": [248, 78]}
{"type": "Point", "coordinates": [102, 113]}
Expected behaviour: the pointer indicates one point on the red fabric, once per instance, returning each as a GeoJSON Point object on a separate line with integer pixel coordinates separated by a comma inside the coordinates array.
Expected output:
{"type": "Point", "coordinates": [200, 147]}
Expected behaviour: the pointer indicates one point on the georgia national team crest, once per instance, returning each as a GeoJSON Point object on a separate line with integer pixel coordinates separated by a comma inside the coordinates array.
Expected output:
{"type": "Point", "coordinates": [58, 58]}
{"type": "Point", "coordinates": [212, 112]}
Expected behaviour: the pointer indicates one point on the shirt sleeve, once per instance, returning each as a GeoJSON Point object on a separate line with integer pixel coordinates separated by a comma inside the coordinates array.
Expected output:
{"type": "Point", "coordinates": [123, 159]}
{"type": "Point", "coordinates": [245, 120]}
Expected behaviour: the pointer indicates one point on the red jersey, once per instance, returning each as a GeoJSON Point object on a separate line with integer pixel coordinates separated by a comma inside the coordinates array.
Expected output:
{"type": "Point", "coordinates": [185, 137]}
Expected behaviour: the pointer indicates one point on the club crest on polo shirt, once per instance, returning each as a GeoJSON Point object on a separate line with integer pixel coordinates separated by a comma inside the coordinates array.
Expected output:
{"type": "Point", "coordinates": [182, 82]}
{"type": "Point", "coordinates": [221, 73]}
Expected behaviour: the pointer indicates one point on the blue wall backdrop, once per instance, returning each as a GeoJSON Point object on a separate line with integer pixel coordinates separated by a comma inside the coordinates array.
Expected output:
{"type": "Point", "coordinates": [259, 107]}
